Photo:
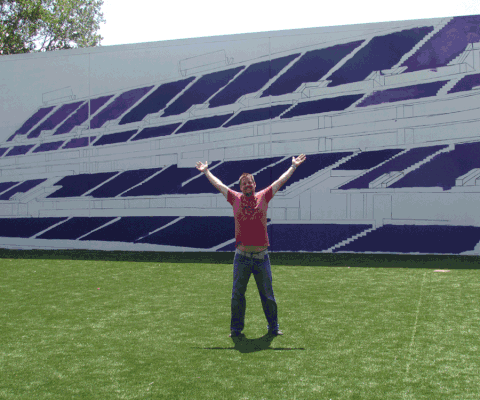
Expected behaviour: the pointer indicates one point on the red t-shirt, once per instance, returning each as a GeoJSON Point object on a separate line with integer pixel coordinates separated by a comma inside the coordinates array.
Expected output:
{"type": "Point", "coordinates": [250, 217]}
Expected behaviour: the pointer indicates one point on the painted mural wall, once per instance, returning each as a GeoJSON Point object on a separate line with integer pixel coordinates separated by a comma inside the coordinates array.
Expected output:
{"type": "Point", "coordinates": [98, 146]}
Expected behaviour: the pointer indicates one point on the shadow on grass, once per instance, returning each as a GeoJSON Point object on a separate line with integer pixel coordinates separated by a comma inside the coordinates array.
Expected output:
{"type": "Point", "coordinates": [245, 345]}
{"type": "Point", "coordinates": [290, 259]}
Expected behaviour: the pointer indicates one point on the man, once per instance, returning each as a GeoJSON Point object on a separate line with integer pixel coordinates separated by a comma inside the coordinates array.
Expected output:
{"type": "Point", "coordinates": [251, 254]}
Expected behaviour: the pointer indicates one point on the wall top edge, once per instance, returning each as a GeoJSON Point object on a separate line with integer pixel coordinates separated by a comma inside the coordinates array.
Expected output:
{"type": "Point", "coordinates": [211, 39]}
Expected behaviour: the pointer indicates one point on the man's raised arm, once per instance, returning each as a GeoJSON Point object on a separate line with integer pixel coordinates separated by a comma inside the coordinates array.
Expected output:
{"type": "Point", "coordinates": [213, 179]}
{"type": "Point", "coordinates": [280, 181]}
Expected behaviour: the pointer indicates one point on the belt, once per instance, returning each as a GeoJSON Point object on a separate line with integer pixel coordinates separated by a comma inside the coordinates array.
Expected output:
{"type": "Point", "coordinates": [252, 255]}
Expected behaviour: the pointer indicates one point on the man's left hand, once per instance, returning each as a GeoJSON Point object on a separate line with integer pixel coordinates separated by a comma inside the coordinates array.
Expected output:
{"type": "Point", "coordinates": [297, 161]}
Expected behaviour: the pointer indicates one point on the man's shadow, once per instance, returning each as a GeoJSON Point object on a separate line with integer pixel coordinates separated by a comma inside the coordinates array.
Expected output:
{"type": "Point", "coordinates": [245, 345]}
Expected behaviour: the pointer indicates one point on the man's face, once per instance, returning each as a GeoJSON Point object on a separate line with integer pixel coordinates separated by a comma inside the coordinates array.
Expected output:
{"type": "Point", "coordinates": [247, 186]}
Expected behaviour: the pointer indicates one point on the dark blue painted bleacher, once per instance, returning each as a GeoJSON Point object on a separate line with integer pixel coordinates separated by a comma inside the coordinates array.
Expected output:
{"type": "Point", "coordinates": [75, 228]}
{"type": "Point", "coordinates": [5, 185]}
{"type": "Point", "coordinates": [22, 188]}
{"type": "Point", "coordinates": [19, 150]}
{"type": "Point", "coordinates": [123, 182]}
{"type": "Point", "coordinates": [80, 142]}
{"type": "Point", "coordinates": [200, 184]}
{"type": "Point", "coordinates": [32, 121]}
{"type": "Point", "coordinates": [444, 168]}
{"type": "Point", "coordinates": [156, 101]}
{"type": "Point", "coordinates": [57, 117]}
{"type": "Point", "coordinates": [201, 90]}
{"type": "Point", "coordinates": [446, 44]}
{"type": "Point", "coordinates": [382, 52]}
{"type": "Point", "coordinates": [306, 237]}
{"type": "Point", "coordinates": [76, 119]}
{"type": "Point", "coordinates": [118, 106]}
{"type": "Point", "coordinates": [25, 227]}
{"type": "Point", "coordinates": [311, 237]}
{"type": "Point", "coordinates": [313, 164]}
{"type": "Point", "coordinates": [156, 131]}
{"type": "Point", "coordinates": [48, 147]}
{"type": "Point", "coordinates": [3, 150]}
{"type": "Point", "coordinates": [322, 105]}
{"type": "Point", "coordinates": [466, 83]}
{"type": "Point", "coordinates": [129, 229]}
{"type": "Point", "coordinates": [399, 163]}
{"type": "Point", "coordinates": [259, 114]}
{"type": "Point", "coordinates": [204, 123]}
{"type": "Point", "coordinates": [251, 80]}
{"type": "Point", "coordinates": [112, 138]}
{"type": "Point", "coordinates": [403, 93]}
{"type": "Point", "coordinates": [190, 232]}
{"type": "Point", "coordinates": [76, 185]}
{"type": "Point", "coordinates": [230, 171]}
{"type": "Point", "coordinates": [368, 159]}
{"type": "Point", "coordinates": [82, 114]}
{"type": "Point", "coordinates": [425, 239]}
{"type": "Point", "coordinates": [169, 181]}
{"type": "Point", "coordinates": [311, 67]}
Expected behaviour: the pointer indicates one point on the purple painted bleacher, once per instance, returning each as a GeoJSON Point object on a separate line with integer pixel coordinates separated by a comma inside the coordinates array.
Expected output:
{"type": "Point", "coordinates": [26, 227]}
{"type": "Point", "coordinates": [19, 150]}
{"type": "Point", "coordinates": [446, 44]}
{"type": "Point", "coordinates": [156, 131]}
{"type": "Point", "coordinates": [201, 90]}
{"type": "Point", "coordinates": [382, 52]}
{"type": "Point", "coordinates": [113, 138]}
{"type": "Point", "coordinates": [403, 93]}
{"type": "Point", "coordinates": [6, 185]}
{"type": "Point", "coordinates": [54, 119]}
{"type": "Point", "coordinates": [156, 101]}
{"type": "Point", "coordinates": [77, 185]}
{"type": "Point", "coordinates": [123, 182]}
{"type": "Point", "coordinates": [190, 232]}
{"type": "Point", "coordinates": [368, 159]}
{"type": "Point", "coordinates": [399, 163]}
{"type": "Point", "coordinates": [80, 142]}
{"type": "Point", "coordinates": [169, 181]}
{"type": "Point", "coordinates": [3, 150]}
{"type": "Point", "coordinates": [32, 121]}
{"type": "Point", "coordinates": [75, 228]}
{"type": "Point", "coordinates": [259, 114]}
{"type": "Point", "coordinates": [118, 106]}
{"type": "Point", "coordinates": [466, 83]}
{"type": "Point", "coordinates": [129, 229]}
{"type": "Point", "coordinates": [311, 67]}
{"type": "Point", "coordinates": [82, 115]}
{"type": "Point", "coordinates": [426, 239]}
{"type": "Point", "coordinates": [316, 163]}
{"type": "Point", "coordinates": [24, 187]}
{"type": "Point", "coordinates": [311, 237]}
{"type": "Point", "coordinates": [444, 168]}
{"type": "Point", "coordinates": [323, 105]}
{"type": "Point", "coordinates": [204, 123]}
{"type": "Point", "coordinates": [251, 80]}
{"type": "Point", "coordinates": [48, 147]}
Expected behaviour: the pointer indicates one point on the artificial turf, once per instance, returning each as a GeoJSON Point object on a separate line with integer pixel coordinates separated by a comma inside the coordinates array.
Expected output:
{"type": "Point", "coordinates": [105, 329]}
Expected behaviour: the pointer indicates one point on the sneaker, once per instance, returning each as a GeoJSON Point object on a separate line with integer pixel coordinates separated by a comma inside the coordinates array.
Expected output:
{"type": "Point", "coordinates": [275, 333]}
{"type": "Point", "coordinates": [235, 334]}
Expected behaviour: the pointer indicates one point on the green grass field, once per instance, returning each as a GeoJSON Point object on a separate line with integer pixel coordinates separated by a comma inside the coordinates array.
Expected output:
{"type": "Point", "coordinates": [98, 325]}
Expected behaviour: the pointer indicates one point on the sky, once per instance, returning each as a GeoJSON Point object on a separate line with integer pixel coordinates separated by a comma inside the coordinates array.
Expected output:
{"type": "Point", "coordinates": [149, 21]}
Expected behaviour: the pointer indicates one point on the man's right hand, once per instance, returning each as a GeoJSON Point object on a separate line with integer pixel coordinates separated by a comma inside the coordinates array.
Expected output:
{"type": "Point", "coordinates": [202, 167]}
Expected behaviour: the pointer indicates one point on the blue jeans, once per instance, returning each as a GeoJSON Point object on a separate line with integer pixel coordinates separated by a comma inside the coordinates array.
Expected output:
{"type": "Point", "coordinates": [243, 267]}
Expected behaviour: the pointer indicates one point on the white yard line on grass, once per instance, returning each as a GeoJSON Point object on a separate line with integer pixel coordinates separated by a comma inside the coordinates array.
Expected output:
{"type": "Point", "coordinates": [415, 326]}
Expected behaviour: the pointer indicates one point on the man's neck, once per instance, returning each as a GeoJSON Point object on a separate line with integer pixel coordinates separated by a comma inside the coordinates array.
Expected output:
{"type": "Point", "coordinates": [249, 194]}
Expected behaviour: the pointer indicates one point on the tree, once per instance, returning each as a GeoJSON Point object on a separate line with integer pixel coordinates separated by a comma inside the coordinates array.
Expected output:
{"type": "Point", "coordinates": [44, 25]}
